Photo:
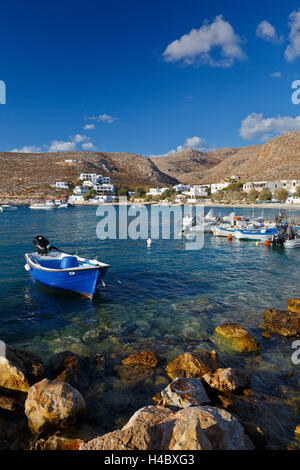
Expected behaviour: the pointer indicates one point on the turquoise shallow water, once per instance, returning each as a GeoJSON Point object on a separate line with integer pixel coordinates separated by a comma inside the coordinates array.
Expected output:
{"type": "Point", "coordinates": [164, 298]}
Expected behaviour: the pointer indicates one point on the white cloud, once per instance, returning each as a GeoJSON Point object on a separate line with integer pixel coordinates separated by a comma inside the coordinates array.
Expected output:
{"type": "Point", "coordinates": [89, 127]}
{"type": "Point", "coordinates": [28, 149]}
{"type": "Point", "coordinates": [254, 126]}
{"type": "Point", "coordinates": [196, 143]}
{"type": "Point", "coordinates": [80, 138]}
{"type": "Point", "coordinates": [293, 49]}
{"type": "Point", "coordinates": [197, 45]}
{"type": "Point", "coordinates": [266, 31]}
{"type": "Point", "coordinates": [103, 117]}
{"type": "Point", "coordinates": [276, 75]}
{"type": "Point", "coordinates": [88, 146]}
{"type": "Point", "coordinates": [62, 146]}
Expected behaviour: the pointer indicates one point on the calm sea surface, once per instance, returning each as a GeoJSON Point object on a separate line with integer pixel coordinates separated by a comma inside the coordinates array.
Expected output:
{"type": "Point", "coordinates": [163, 298]}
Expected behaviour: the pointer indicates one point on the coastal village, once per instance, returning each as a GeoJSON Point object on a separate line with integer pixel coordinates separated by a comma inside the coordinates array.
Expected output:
{"type": "Point", "coordinates": [97, 189]}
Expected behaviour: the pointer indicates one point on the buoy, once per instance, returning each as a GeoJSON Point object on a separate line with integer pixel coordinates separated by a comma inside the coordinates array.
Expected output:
{"type": "Point", "coordinates": [267, 243]}
{"type": "Point", "coordinates": [187, 235]}
{"type": "Point", "coordinates": [149, 242]}
{"type": "Point", "coordinates": [180, 235]}
{"type": "Point", "coordinates": [229, 236]}
{"type": "Point", "coordinates": [257, 243]}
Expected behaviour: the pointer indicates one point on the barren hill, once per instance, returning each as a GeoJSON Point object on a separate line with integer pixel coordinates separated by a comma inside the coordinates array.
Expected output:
{"type": "Point", "coordinates": [190, 165]}
{"type": "Point", "coordinates": [279, 158]}
{"type": "Point", "coordinates": [33, 173]}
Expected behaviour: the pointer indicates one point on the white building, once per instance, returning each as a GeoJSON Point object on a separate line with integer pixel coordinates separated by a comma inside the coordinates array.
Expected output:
{"type": "Point", "coordinates": [88, 177]}
{"type": "Point", "coordinates": [62, 185]}
{"type": "Point", "coordinates": [102, 199]}
{"type": "Point", "coordinates": [81, 190]}
{"type": "Point", "coordinates": [105, 188]}
{"type": "Point", "coordinates": [75, 199]}
{"type": "Point", "coordinates": [181, 187]}
{"type": "Point", "coordinates": [260, 185]}
{"type": "Point", "coordinates": [290, 185]}
{"type": "Point", "coordinates": [293, 200]}
{"type": "Point", "coordinates": [215, 187]}
{"type": "Point", "coordinates": [156, 191]}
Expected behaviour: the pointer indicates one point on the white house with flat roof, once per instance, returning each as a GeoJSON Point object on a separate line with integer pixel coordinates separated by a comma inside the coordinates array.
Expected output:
{"type": "Point", "coordinates": [290, 185]}
{"type": "Point", "coordinates": [62, 185]}
{"type": "Point", "coordinates": [215, 187]}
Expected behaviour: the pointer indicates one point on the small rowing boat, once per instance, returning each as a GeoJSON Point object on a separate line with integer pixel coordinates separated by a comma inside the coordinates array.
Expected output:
{"type": "Point", "coordinates": [54, 268]}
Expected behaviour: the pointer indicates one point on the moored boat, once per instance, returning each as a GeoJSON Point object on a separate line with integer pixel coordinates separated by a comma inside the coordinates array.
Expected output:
{"type": "Point", "coordinates": [54, 268]}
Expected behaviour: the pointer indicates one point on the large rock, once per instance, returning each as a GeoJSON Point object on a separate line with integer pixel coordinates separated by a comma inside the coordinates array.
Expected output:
{"type": "Point", "coordinates": [52, 405]}
{"type": "Point", "coordinates": [228, 380]}
{"type": "Point", "coordinates": [142, 359]}
{"type": "Point", "coordinates": [294, 305]}
{"type": "Point", "coordinates": [192, 428]}
{"type": "Point", "coordinates": [194, 364]}
{"type": "Point", "coordinates": [184, 392]}
{"type": "Point", "coordinates": [269, 415]}
{"type": "Point", "coordinates": [238, 337]}
{"type": "Point", "coordinates": [283, 322]}
{"type": "Point", "coordinates": [20, 369]}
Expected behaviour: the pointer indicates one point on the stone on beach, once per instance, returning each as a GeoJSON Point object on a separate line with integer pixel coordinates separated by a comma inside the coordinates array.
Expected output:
{"type": "Point", "coordinates": [20, 369]}
{"type": "Point", "coordinates": [194, 364]}
{"type": "Point", "coordinates": [52, 405]}
{"type": "Point", "coordinates": [238, 337]}
{"type": "Point", "coordinates": [184, 392]}
{"type": "Point", "coordinates": [142, 359]}
{"type": "Point", "coordinates": [228, 380]}
{"type": "Point", "coordinates": [283, 322]}
{"type": "Point", "coordinates": [192, 428]}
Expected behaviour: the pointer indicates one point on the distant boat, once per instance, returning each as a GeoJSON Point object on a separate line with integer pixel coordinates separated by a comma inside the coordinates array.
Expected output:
{"type": "Point", "coordinates": [256, 234]}
{"type": "Point", "coordinates": [65, 205]}
{"type": "Point", "coordinates": [49, 204]}
{"type": "Point", "coordinates": [8, 207]}
{"type": "Point", "coordinates": [52, 267]}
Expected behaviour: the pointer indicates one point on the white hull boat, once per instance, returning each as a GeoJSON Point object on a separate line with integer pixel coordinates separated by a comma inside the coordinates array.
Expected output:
{"type": "Point", "coordinates": [295, 243]}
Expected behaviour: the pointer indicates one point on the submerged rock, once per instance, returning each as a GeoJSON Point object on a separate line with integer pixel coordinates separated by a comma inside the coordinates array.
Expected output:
{"type": "Point", "coordinates": [192, 428]}
{"type": "Point", "coordinates": [71, 368]}
{"type": "Point", "coordinates": [294, 305]}
{"type": "Point", "coordinates": [184, 392]}
{"type": "Point", "coordinates": [143, 359]}
{"type": "Point", "coordinates": [194, 364]}
{"type": "Point", "coordinates": [238, 337]}
{"type": "Point", "coordinates": [20, 369]}
{"type": "Point", "coordinates": [52, 405]}
{"type": "Point", "coordinates": [228, 380]}
{"type": "Point", "coordinates": [283, 322]}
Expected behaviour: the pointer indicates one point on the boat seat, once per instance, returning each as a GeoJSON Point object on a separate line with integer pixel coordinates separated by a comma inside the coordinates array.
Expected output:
{"type": "Point", "coordinates": [69, 262]}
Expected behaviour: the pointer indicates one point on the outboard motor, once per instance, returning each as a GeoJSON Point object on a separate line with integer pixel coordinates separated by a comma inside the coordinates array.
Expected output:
{"type": "Point", "coordinates": [41, 244]}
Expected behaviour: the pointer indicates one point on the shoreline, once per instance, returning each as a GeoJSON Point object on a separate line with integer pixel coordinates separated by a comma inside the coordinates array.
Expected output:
{"type": "Point", "coordinates": [15, 200]}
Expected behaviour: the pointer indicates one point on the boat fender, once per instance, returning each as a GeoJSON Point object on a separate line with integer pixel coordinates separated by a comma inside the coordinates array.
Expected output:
{"type": "Point", "coordinates": [27, 267]}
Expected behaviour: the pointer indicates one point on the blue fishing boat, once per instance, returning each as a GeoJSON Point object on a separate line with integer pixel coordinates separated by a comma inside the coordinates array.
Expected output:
{"type": "Point", "coordinates": [52, 267]}
{"type": "Point", "coordinates": [256, 234]}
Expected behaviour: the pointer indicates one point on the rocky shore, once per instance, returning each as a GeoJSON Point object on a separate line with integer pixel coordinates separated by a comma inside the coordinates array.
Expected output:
{"type": "Point", "coordinates": [203, 403]}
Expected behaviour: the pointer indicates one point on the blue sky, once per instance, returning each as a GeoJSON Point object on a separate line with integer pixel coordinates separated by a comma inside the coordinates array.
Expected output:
{"type": "Point", "coordinates": [125, 70]}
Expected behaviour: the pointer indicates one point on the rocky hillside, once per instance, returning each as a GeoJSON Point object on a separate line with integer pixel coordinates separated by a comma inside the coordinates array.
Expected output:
{"type": "Point", "coordinates": [279, 158]}
{"type": "Point", "coordinates": [34, 173]}
{"type": "Point", "coordinates": [190, 165]}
